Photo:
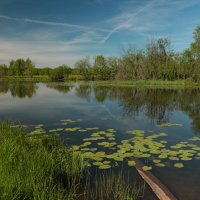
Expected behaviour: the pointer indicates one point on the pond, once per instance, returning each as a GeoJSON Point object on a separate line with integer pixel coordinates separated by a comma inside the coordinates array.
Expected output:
{"type": "Point", "coordinates": [163, 124]}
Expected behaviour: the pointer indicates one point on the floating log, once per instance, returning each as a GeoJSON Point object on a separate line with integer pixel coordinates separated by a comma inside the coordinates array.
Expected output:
{"type": "Point", "coordinates": [161, 191]}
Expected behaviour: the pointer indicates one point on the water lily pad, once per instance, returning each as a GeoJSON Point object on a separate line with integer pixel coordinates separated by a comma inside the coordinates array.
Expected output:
{"type": "Point", "coordinates": [173, 158]}
{"type": "Point", "coordinates": [186, 158]}
{"type": "Point", "coordinates": [104, 166]}
{"type": "Point", "coordinates": [97, 163]}
{"type": "Point", "coordinates": [72, 129]}
{"type": "Point", "coordinates": [178, 165]}
{"type": "Point", "coordinates": [136, 132]}
{"type": "Point", "coordinates": [156, 161]}
{"type": "Point", "coordinates": [106, 162]}
{"type": "Point", "coordinates": [195, 139]}
{"type": "Point", "coordinates": [91, 129]}
{"type": "Point", "coordinates": [163, 156]}
{"type": "Point", "coordinates": [82, 130]}
{"type": "Point", "coordinates": [146, 168]}
{"type": "Point", "coordinates": [131, 163]}
{"type": "Point", "coordinates": [160, 164]}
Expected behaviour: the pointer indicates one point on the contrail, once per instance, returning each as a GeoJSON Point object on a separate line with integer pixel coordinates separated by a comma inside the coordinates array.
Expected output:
{"type": "Point", "coordinates": [125, 24]}
{"type": "Point", "coordinates": [83, 28]}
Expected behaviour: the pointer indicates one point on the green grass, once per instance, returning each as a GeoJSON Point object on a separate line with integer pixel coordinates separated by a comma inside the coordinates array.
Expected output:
{"type": "Point", "coordinates": [139, 83]}
{"type": "Point", "coordinates": [40, 167]}
{"type": "Point", "coordinates": [42, 78]}
{"type": "Point", "coordinates": [113, 186]}
{"type": "Point", "coordinates": [36, 168]}
{"type": "Point", "coordinates": [149, 83]}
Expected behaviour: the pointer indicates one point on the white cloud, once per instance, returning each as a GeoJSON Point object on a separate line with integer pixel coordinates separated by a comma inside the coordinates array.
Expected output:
{"type": "Point", "coordinates": [53, 43]}
{"type": "Point", "coordinates": [45, 53]}
{"type": "Point", "coordinates": [126, 19]}
{"type": "Point", "coordinates": [147, 16]}
{"type": "Point", "coordinates": [49, 23]}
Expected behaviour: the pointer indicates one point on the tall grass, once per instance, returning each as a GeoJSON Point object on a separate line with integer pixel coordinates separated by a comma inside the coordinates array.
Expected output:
{"type": "Point", "coordinates": [113, 186]}
{"type": "Point", "coordinates": [41, 168]}
{"type": "Point", "coordinates": [36, 168]}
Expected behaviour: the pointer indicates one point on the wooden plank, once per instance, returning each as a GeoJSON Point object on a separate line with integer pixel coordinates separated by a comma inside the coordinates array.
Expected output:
{"type": "Point", "coordinates": [161, 191]}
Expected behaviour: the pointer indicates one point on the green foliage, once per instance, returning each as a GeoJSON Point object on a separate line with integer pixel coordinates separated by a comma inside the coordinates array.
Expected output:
{"type": "Point", "coordinates": [21, 67]}
{"type": "Point", "coordinates": [36, 167]}
{"type": "Point", "coordinates": [195, 47]}
{"type": "Point", "coordinates": [156, 62]}
{"type": "Point", "coordinates": [3, 70]}
{"type": "Point", "coordinates": [59, 73]}
{"type": "Point", "coordinates": [112, 186]}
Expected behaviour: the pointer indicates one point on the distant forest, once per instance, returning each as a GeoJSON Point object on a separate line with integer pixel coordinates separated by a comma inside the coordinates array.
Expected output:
{"type": "Point", "coordinates": [156, 62]}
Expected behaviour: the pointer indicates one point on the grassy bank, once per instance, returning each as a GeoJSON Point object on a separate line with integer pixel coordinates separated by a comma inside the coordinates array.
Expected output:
{"type": "Point", "coordinates": [36, 168]}
{"type": "Point", "coordinates": [26, 78]}
{"type": "Point", "coordinates": [150, 83]}
{"type": "Point", "coordinates": [140, 83]}
{"type": "Point", "coordinates": [40, 167]}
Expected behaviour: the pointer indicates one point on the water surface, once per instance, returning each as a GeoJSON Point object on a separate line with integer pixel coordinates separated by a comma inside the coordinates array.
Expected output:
{"type": "Point", "coordinates": [121, 108]}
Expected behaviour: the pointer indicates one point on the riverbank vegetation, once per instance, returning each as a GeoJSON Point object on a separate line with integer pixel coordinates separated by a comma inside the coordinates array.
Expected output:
{"type": "Point", "coordinates": [36, 168]}
{"type": "Point", "coordinates": [156, 62]}
{"type": "Point", "coordinates": [39, 166]}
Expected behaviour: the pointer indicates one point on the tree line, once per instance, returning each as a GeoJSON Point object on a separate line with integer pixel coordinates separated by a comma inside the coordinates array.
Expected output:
{"type": "Point", "coordinates": [155, 62]}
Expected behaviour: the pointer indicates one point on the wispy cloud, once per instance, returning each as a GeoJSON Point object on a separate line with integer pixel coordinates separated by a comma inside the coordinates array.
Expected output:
{"type": "Point", "coordinates": [44, 53]}
{"type": "Point", "coordinates": [147, 16]}
{"type": "Point", "coordinates": [79, 34]}
{"type": "Point", "coordinates": [53, 43]}
{"type": "Point", "coordinates": [125, 20]}
{"type": "Point", "coordinates": [67, 25]}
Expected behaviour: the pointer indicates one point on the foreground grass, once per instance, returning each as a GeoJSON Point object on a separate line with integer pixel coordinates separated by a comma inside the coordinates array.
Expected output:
{"type": "Point", "coordinates": [112, 186]}
{"type": "Point", "coordinates": [41, 168]}
{"type": "Point", "coordinates": [33, 168]}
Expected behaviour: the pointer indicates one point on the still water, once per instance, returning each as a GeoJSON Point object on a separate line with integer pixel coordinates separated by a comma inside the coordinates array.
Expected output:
{"type": "Point", "coordinates": [119, 108]}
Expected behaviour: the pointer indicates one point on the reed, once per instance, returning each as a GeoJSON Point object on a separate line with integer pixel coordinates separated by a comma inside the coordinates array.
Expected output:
{"type": "Point", "coordinates": [37, 168]}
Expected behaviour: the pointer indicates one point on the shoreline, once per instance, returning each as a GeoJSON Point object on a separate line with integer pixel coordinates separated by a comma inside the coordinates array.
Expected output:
{"type": "Point", "coordinates": [126, 83]}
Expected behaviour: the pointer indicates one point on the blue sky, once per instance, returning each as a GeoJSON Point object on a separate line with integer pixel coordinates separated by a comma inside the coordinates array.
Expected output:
{"type": "Point", "coordinates": [54, 32]}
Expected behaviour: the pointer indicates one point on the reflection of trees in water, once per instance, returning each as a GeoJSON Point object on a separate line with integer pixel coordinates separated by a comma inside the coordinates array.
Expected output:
{"type": "Point", "coordinates": [84, 91]}
{"type": "Point", "coordinates": [156, 103]}
{"type": "Point", "coordinates": [101, 93]}
{"type": "Point", "coordinates": [22, 90]}
{"type": "Point", "coordinates": [189, 102]}
{"type": "Point", "coordinates": [18, 89]}
{"type": "Point", "coordinates": [4, 87]}
{"type": "Point", "coordinates": [60, 87]}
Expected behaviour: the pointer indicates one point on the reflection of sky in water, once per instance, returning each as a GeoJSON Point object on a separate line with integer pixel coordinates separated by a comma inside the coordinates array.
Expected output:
{"type": "Point", "coordinates": [48, 105]}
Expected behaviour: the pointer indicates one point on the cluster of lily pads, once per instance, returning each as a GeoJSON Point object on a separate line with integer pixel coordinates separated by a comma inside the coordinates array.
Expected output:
{"type": "Point", "coordinates": [102, 150]}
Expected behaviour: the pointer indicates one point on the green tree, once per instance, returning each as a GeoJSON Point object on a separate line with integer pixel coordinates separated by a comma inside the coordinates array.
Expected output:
{"type": "Point", "coordinates": [17, 67]}
{"type": "Point", "coordinates": [157, 56]}
{"type": "Point", "coordinates": [101, 70]}
{"type": "Point", "coordinates": [83, 69]}
{"type": "Point", "coordinates": [59, 73]}
{"type": "Point", "coordinates": [29, 68]}
{"type": "Point", "coordinates": [3, 70]}
{"type": "Point", "coordinates": [195, 46]}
